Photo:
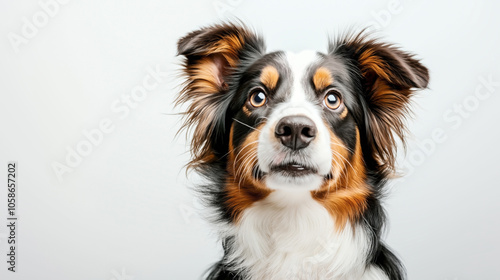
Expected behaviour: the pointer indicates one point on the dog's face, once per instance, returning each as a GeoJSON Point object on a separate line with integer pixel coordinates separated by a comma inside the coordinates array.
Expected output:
{"type": "Point", "coordinates": [307, 121]}
{"type": "Point", "coordinates": [293, 128]}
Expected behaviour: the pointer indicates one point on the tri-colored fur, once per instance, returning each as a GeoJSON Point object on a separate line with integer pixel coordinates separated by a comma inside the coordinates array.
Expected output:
{"type": "Point", "coordinates": [295, 150]}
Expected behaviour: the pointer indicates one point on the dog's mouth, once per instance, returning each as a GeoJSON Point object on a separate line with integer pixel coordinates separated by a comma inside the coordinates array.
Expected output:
{"type": "Point", "coordinates": [293, 169]}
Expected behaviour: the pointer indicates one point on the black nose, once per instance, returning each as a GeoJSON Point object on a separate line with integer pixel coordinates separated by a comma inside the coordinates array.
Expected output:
{"type": "Point", "coordinates": [295, 132]}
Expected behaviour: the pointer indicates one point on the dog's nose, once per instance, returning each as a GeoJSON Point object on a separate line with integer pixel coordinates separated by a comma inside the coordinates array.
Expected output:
{"type": "Point", "coordinates": [295, 132]}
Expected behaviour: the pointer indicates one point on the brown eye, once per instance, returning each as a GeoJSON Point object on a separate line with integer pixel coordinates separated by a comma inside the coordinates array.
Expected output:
{"type": "Point", "coordinates": [258, 98]}
{"type": "Point", "coordinates": [332, 100]}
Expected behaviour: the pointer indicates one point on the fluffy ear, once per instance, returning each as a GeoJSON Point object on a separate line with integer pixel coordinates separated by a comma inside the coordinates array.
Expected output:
{"type": "Point", "coordinates": [389, 78]}
{"type": "Point", "coordinates": [211, 56]}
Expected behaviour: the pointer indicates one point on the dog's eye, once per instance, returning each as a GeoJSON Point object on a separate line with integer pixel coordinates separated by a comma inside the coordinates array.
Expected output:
{"type": "Point", "coordinates": [258, 98]}
{"type": "Point", "coordinates": [332, 100]}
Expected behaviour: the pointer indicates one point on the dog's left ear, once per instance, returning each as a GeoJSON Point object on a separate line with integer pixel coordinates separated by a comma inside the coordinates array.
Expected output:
{"type": "Point", "coordinates": [212, 55]}
{"type": "Point", "coordinates": [389, 78]}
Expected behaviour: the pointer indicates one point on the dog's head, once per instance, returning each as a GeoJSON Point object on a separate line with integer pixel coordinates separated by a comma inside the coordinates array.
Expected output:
{"type": "Point", "coordinates": [311, 120]}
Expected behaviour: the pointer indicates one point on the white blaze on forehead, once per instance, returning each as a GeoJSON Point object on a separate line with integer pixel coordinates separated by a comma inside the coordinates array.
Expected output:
{"type": "Point", "coordinates": [299, 63]}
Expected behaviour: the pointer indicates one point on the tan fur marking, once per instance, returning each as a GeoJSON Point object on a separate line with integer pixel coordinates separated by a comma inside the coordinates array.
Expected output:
{"type": "Point", "coordinates": [229, 46]}
{"type": "Point", "coordinates": [344, 196]}
{"type": "Point", "coordinates": [344, 113]}
{"type": "Point", "coordinates": [206, 73]}
{"type": "Point", "coordinates": [246, 111]}
{"type": "Point", "coordinates": [322, 78]}
{"type": "Point", "coordinates": [369, 61]}
{"type": "Point", "coordinates": [269, 77]}
{"type": "Point", "coordinates": [203, 89]}
{"type": "Point", "coordinates": [242, 189]}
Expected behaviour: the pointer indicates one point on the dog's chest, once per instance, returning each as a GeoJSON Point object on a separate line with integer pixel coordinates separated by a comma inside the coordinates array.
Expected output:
{"type": "Point", "coordinates": [291, 236]}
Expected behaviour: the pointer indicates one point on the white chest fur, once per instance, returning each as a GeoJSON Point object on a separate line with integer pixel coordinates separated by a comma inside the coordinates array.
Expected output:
{"type": "Point", "coordinates": [289, 235]}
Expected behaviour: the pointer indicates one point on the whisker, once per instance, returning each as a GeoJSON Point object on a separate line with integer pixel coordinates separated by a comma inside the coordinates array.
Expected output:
{"type": "Point", "coordinates": [242, 148]}
{"type": "Point", "coordinates": [246, 124]}
{"type": "Point", "coordinates": [248, 157]}
{"type": "Point", "coordinates": [341, 145]}
{"type": "Point", "coordinates": [241, 167]}
{"type": "Point", "coordinates": [346, 161]}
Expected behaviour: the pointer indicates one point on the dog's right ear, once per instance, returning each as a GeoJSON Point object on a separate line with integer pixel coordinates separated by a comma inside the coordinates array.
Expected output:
{"type": "Point", "coordinates": [211, 56]}
{"type": "Point", "coordinates": [390, 77]}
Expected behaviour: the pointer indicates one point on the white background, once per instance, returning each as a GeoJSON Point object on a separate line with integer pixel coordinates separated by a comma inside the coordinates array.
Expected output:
{"type": "Point", "coordinates": [126, 211]}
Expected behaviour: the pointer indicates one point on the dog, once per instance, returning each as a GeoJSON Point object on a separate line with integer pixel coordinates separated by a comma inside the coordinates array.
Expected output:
{"type": "Point", "coordinates": [295, 149]}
